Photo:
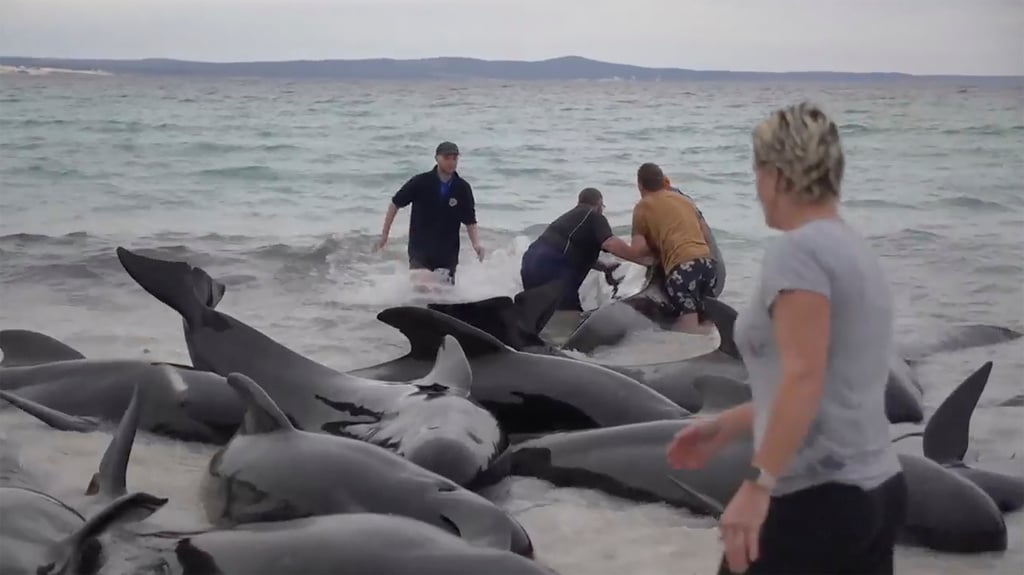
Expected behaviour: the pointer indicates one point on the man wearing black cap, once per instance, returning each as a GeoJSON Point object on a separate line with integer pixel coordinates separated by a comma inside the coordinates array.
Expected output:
{"type": "Point", "coordinates": [441, 202]}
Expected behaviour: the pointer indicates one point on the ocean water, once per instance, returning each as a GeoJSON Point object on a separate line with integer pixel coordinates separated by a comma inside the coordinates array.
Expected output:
{"type": "Point", "coordinates": [279, 189]}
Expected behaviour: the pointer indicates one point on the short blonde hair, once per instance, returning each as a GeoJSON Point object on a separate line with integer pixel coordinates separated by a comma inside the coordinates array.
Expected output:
{"type": "Point", "coordinates": [803, 143]}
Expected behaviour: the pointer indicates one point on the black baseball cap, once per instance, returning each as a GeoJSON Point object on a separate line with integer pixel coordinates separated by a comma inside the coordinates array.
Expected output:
{"type": "Point", "coordinates": [445, 148]}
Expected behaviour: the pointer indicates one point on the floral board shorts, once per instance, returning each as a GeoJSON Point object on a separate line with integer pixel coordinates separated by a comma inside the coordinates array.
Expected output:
{"type": "Point", "coordinates": [689, 283]}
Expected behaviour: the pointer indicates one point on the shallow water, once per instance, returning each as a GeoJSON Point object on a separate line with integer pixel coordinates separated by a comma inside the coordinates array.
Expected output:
{"type": "Point", "coordinates": [278, 189]}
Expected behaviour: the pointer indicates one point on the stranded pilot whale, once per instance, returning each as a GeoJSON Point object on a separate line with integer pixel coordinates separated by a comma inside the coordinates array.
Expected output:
{"type": "Point", "coordinates": [430, 420]}
{"type": "Point", "coordinates": [528, 393]}
{"type": "Point", "coordinates": [946, 511]}
{"type": "Point", "coordinates": [42, 534]}
{"type": "Point", "coordinates": [70, 392]}
{"type": "Point", "coordinates": [713, 380]}
{"type": "Point", "coordinates": [343, 544]}
{"type": "Point", "coordinates": [271, 471]}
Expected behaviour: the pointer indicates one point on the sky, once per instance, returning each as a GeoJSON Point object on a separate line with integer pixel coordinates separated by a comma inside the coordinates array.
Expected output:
{"type": "Point", "coordinates": [971, 37]}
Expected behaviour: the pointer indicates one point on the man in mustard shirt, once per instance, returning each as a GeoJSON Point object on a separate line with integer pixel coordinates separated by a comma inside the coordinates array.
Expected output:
{"type": "Point", "coordinates": [667, 226]}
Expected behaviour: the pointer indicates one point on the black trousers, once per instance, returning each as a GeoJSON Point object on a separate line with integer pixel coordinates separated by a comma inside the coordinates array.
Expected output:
{"type": "Point", "coordinates": [831, 529]}
{"type": "Point", "coordinates": [423, 263]}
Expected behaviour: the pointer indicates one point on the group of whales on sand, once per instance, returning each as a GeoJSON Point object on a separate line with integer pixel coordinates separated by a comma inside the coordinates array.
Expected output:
{"type": "Point", "coordinates": [381, 469]}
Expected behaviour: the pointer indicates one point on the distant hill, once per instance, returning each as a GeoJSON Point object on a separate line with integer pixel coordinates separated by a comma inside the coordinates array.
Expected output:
{"type": "Point", "coordinates": [565, 68]}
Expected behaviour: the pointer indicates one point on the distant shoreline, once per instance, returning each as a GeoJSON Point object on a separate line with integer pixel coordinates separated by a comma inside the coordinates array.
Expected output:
{"type": "Point", "coordinates": [454, 69]}
{"type": "Point", "coordinates": [46, 71]}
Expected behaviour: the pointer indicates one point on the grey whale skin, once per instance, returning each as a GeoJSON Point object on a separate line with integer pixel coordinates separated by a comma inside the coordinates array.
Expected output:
{"type": "Point", "coordinates": [947, 510]}
{"type": "Point", "coordinates": [432, 421]}
{"type": "Point", "coordinates": [271, 471]}
{"type": "Point", "coordinates": [39, 533]}
{"type": "Point", "coordinates": [343, 544]}
{"type": "Point", "coordinates": [714, 380]}
{"type": "Point", "coordinates": [181, 402]}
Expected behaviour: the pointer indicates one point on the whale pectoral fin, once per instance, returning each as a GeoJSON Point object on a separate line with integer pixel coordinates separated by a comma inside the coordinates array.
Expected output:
{"type": "Point", "coordinates": [701, 503]}
{"type": "Point", "coordinates": [110, 480]}
{"type": "Point", "coordinates": [425, 329]}
{"type": "Point", "coordinates": [23, 347]}
{"type": "Point", "coordinates": [52, 417]}
{"type": "Point", "coordinates": [262, 415]}
{"type": "Point", "coordinates": [724, 318]}
{"type": "Point", "coordinates": [451, 369]}
{"type": "Point", "coordinates": [66, 554]}
{"type": "Point", "coordinates": [484, 526]}
{"type": "Point", "coordinates": [947, 433]}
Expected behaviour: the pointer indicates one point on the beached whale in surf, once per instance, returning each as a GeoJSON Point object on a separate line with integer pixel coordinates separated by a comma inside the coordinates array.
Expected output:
{"type": "Point", "coordinates": [343, 544]}
{"type": "Point", "coordinates": [70, 392]}
{"type": "Point", "coordinates": [430, 419]}
{"type": "Point", "coordinates": [946, 511]}
{"type": "Point", "coordinates": [271, 471]}
{"type": "Point", "coordinates": [528, 393]}
{"type": "Point", "coordinates": [711, 381]}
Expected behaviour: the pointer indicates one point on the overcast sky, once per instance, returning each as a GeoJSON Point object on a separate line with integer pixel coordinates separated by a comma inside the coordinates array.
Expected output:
{"type": "Point", "coordinates": [915, 36]}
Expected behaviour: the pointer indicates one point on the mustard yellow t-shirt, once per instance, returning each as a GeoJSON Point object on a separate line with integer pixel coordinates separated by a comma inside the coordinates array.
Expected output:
{"type": "Point", "coordinates": [669, 223]}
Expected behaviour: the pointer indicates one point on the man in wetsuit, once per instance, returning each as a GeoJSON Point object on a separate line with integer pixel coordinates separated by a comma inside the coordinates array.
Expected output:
{"type": "Point", "coordinates": [441, 203]}
{"type": "Point", "coordinates": [569, 248]}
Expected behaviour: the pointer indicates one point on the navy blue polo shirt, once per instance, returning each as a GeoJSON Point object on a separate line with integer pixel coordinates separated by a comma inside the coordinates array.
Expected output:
{"type": "Point", "coordinates": [439, 209]}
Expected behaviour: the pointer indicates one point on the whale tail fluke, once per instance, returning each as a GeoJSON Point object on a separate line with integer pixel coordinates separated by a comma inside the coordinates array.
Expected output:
{"type": "Point", "coordinates": [80, 549]}
{"type": "Point", "coordinates": [180, 286]}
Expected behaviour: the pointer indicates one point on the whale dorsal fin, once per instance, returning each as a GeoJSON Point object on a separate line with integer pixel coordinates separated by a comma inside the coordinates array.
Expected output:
{"type": "Point", "coordinates": [947, 434]}
{"type": "Point", "coordinates": [23, 347]}
{"type": "Point", "coordinates": [262, 415]}
{"type": "Point", "coordinates": [110, 480]}
{"type": "Point", "coordinates": [451, 368]}
{"type": "Point", "coordinates": [492, 316]}
{"type": "Point", "coordinates": [66, 555]}
{"type": "Point", "coordinates": [52, 417]}
{"type": "Point", "coordinates": [724, 318]}
{"type": "Point", "coordinates": [425, 329]}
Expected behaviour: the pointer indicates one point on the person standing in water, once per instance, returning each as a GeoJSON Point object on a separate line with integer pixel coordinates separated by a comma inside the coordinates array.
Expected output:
{"type": "Point", "coordinates": [442, 202]}
{"type": "Point", "coordinates": [569, 248]}
{"type": "Point", "coordinates": [666, 224]}
{"type": "Point", "coordinates": [824, 491]}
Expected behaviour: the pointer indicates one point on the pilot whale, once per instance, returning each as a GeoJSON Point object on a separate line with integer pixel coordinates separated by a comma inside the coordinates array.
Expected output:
{"type": "Point", "coordinates": [272, 471]}
{"type": "Point", "coordinates": [947, 511]}
{"type": "Point", "coordinates": [343, 544]}
{"type": "Point", "coordinates": [40, 533]}
{"type": "Point", "coordinates": [431, 420]}
{"type": "Point", "coordinates": [713, 380]}
{"type": "Point", "coordinates": [48, 376]}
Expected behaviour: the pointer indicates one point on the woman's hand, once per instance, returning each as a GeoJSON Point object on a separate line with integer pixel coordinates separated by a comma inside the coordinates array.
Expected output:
{"type": "Point", "coordinates": [740, 525]}
{"type": "Point", "coordinates": [694, 445]}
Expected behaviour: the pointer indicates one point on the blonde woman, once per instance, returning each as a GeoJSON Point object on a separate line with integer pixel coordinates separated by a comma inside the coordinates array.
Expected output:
{"type": "Point", "coordinates": [824, 492]}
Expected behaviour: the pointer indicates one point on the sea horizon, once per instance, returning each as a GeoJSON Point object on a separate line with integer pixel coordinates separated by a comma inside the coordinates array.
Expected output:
{"type": "Point", "coordinates": [569, 67]}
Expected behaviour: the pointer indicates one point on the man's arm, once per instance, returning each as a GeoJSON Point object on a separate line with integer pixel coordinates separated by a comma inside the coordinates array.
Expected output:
{"type": "Point", "coordinates": [469, 220]}
{"type": "Point", "coordinates": [403, 197]}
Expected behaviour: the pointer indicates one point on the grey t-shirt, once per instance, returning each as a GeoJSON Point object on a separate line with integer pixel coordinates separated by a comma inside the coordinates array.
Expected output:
{"type": "Point", "coordinates": [848, 442]}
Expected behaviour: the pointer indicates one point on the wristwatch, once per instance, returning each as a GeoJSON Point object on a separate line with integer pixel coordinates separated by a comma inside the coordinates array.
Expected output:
{"type": "Point", "coordinates": [759, 477]}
